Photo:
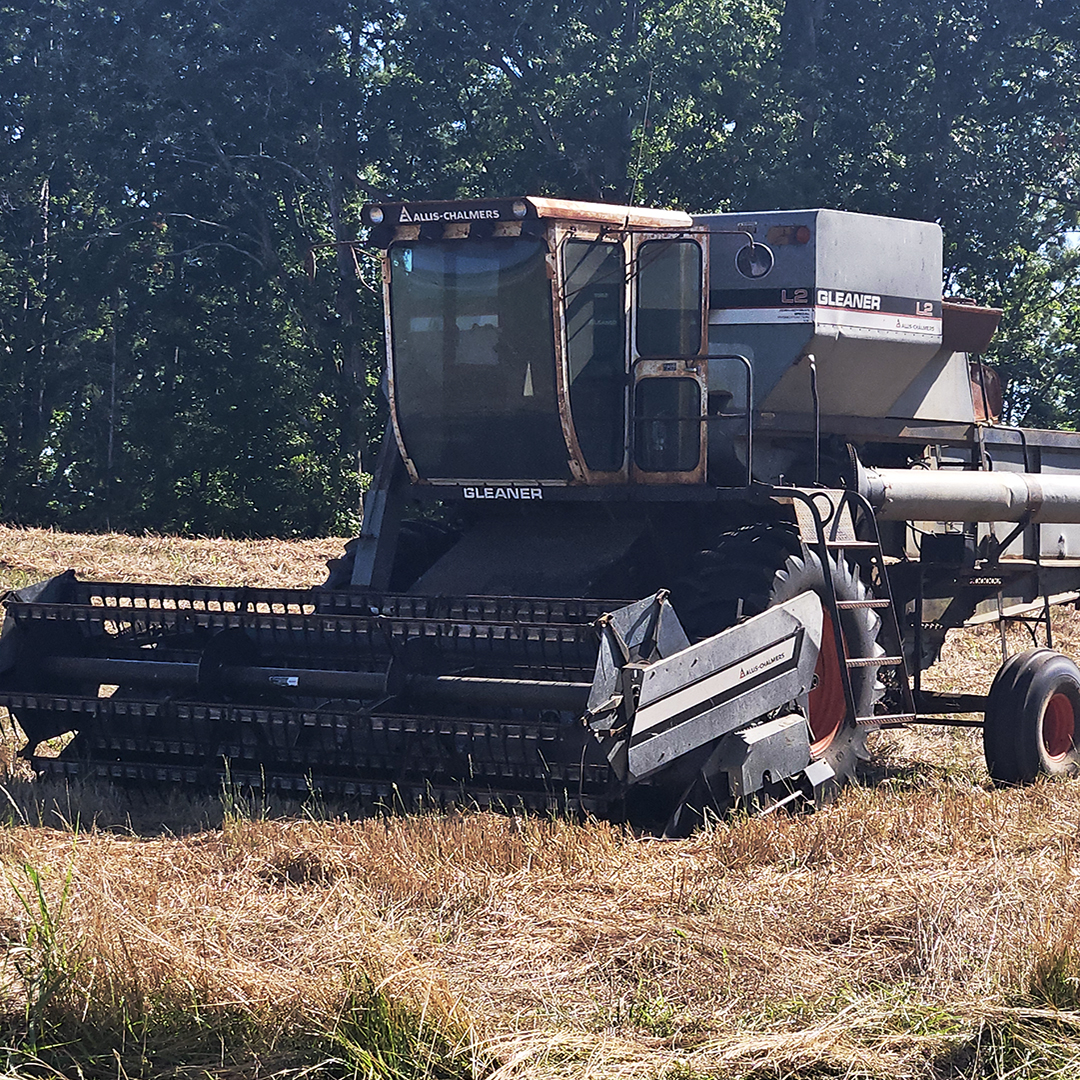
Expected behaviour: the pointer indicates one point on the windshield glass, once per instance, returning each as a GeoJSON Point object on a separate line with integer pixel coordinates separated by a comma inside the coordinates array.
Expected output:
{"type": "Point", "coordinates": [474, 359]}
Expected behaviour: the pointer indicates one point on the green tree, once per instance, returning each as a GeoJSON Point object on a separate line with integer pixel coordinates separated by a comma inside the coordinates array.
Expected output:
{"type": "Point", "coordinates": [611, 100]}
{"type": "Point", "coordinates": [172, 166]}
{"type": "Point", "coordinates": [165, 361]}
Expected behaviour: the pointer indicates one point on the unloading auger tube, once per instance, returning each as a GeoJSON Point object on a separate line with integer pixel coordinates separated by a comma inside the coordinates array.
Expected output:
{"type": "Point", "coordinates": [364, 697]}
{"type": "Point", "coordinates": [970, 496]}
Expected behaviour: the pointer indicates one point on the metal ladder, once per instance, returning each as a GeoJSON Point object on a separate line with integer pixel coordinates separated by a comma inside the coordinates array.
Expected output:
{"type": "Point", "coordinates": [869, 556]}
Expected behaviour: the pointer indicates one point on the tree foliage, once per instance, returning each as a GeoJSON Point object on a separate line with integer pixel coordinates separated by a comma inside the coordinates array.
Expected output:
{"type": "Point", "coordinates": [166, 363]}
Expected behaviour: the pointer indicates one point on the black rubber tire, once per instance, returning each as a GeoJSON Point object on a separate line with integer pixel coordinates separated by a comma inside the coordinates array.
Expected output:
{"type": "Point", "coordinates": [339, 570]}
{"type": "Point", "coordinates": [765, 564]}
{"type": "Point", "coordinates": [999, 730]}
{"type": "Point", "coordinates": [732, 579]}
{"type": "Point", "coordinates": [1032, 721]}
{"type": "Point", "coordinates": [837, 739]}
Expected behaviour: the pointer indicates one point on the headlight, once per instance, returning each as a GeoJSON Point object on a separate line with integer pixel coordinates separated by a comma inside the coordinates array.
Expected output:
{"type": "Point", "coordinates": [375, 215]}
{"type": "Point", "coordinates": [519, 209]}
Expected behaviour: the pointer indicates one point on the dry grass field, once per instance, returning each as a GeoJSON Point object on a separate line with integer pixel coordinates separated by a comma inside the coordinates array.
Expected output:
{"type": "Point", "coordinates": [925, 926]}
{"type": "Point", "coordinates": [28, 555]}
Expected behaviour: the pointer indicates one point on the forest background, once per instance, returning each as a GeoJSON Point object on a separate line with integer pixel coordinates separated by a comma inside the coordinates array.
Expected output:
{"type": "Point", "coordinates": [167, 364]}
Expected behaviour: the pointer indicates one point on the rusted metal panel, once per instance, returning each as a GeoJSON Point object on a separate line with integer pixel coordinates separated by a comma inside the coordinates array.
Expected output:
{"type": "Point", "coordinates": [967, 327]}
{"type": "Point", "coordinates": [626, 217]}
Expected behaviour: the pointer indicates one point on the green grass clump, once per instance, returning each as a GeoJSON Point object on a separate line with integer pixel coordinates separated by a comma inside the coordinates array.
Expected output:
{"type": "Point", "coordinates": [368, 1037]}
{"type": "Point", "coordinates": [78, 1020]}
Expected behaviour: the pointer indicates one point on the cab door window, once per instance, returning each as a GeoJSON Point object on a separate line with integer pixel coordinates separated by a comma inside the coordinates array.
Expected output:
{"type": "Point", "coordinates": [667, 424]}
{"type": "Point", "coordinates": [669, 297]}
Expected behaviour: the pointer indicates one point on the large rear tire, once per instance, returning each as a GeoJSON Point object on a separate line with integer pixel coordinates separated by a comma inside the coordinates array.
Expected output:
{"type": "Point", "coordinates": [763, 565]}
{"type": "Point", "coordinates": [733, 579]}
{"type": "Point", "coordinates": [835, 736]}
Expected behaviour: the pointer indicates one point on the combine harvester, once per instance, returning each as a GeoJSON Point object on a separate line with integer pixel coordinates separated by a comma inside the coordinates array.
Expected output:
{"type": "Point", "coordinates": [762, 431]}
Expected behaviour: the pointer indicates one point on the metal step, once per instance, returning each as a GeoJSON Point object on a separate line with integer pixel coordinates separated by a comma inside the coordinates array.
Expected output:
{"type": "Point", "coordinates": [868, 553]}
{"type": "Point", "coordinates": [885, 719]}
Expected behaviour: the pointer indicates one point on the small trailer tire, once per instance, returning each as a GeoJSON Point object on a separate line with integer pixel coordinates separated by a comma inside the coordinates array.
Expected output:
{"type": "Point", "coordinates": [999, 728]}
{"type": "Point", "coordinates": [1032, 721]}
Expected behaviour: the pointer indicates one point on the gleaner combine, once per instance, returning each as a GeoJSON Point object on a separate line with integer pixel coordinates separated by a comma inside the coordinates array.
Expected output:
{"type": "Point", "coordinates": [763, 432]}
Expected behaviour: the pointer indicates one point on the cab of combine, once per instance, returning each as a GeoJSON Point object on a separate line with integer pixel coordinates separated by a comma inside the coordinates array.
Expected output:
{"type": "Point", "coordinates": [539, 341]}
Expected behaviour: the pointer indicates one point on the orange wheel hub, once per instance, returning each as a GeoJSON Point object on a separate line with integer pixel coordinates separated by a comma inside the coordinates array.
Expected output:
{"type": "Point", "coordinates": [1058, 726]}
{"type": "Point", "coordinates": [828, 705]}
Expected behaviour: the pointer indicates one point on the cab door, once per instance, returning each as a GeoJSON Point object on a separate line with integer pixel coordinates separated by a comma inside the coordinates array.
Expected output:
{"type": "Point", "coordinates": [593, 335]}
{"type": "Point", "coordinates": [668, 350]}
